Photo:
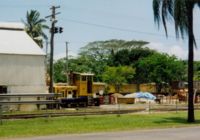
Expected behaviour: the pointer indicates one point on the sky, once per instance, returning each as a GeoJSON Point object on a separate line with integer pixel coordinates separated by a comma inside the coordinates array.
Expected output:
{"type": "Point", "coordinates": [85, 21]}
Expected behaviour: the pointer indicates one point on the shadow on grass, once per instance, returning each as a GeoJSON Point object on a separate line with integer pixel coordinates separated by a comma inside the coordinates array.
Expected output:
{"type": "Point", "coordinates": [175, 120]}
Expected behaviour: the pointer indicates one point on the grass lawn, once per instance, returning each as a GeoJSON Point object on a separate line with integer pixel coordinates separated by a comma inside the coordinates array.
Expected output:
{"type": "Point", "coordinates": [104, 123]}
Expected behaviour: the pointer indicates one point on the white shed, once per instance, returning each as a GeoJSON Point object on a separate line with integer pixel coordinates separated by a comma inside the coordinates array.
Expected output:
{"type": "Point", "coordinates": [22, 62]}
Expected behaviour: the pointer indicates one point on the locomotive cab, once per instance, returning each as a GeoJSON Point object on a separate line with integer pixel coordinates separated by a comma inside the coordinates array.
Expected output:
{"type": "Point", "coordinates": [79, 92]}
{"type": "Point", "coordinates": [84, 82]}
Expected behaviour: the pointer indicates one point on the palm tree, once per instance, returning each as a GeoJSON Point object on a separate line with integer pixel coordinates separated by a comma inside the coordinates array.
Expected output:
{"type": "Point", "coordinates": [181, 12]}
{"type": "Point", "coordinates": [34, 26]}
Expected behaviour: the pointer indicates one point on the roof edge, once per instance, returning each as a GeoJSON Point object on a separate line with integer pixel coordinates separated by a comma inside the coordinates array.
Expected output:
{"type": "Point", "coordinates": [42, 54]}
{"type": "Point", "coordinates": [12, 29]}
{"type": "Point", "coordinates": [12, 26]}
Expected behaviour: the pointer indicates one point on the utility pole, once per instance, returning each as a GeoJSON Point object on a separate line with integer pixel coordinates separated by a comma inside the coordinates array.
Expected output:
{"type": "Point", "coordinates": [53, 21]}
{"type": "Point", "coordinates": [47, 61]}
{"type": "Point", "coordinates": [66, 67]}
{"type": "Point", "coordinates": [47, 44]}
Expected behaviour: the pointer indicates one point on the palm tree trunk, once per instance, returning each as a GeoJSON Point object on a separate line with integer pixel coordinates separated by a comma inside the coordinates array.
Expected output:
{"type": "Point", "coordinates": [190, 64]}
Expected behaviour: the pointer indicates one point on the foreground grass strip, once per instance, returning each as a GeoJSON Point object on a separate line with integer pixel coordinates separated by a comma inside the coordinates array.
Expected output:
{"type": "Point", "coordinates": [71, 125]}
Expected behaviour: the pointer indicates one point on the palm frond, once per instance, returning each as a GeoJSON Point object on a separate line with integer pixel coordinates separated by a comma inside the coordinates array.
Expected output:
{"type": "Point", "coordinates": [167, 12]}
{"type": "Point", "coordinates": [156, 10]}
{"type": "Point", "coordinates": [180, 17]}
{"type": "Point", "coordinates": [174, 9]}
{"type": "Point", "coordinates": [34, 26]}
{"type": "Point", "coordinates": [163, 9]}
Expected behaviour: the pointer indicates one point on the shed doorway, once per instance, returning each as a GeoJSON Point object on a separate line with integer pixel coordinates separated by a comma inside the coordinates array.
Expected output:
{"type": "Point", "coordinates": [3, 89]}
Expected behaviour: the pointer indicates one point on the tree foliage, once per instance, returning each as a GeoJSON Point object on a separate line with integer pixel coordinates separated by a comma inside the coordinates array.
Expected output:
{"type": "Point", "coordinates": [130, 56]}
{"type": "Point", "coordinates": [160, 68]}
{"type": "Point", "coordinates": [197, 70]}
{"type": "Point", "coordinates": [102, 49]}
{"type": "Point", "coordinates": [116, 76]}
{"type": "Point", "coordinates": [60, 74]}
{"type": "Point", "coordinates": [34, 26]}
{"type": "Point", "coordinates": [97, 55]}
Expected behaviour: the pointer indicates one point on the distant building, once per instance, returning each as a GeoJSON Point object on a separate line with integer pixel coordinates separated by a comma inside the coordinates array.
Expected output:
{"type": "Point", "coordinates": [22, 62]}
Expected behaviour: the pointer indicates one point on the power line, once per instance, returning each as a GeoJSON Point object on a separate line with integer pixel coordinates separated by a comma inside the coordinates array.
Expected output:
{"type": "Point", "coordinates": [75, 42]}
{"type": "Point", "coordinates": [122, 29]}
{"type": "Point", "coordinates": [22, 6]}
{"type": "Point", "coordinates": [118, 28]}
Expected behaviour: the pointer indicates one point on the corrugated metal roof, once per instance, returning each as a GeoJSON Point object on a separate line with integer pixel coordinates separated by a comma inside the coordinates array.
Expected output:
{"type": "Point", "coordinates": [12, 25]}
{"type": "Point", "coordinates": [14, 40]}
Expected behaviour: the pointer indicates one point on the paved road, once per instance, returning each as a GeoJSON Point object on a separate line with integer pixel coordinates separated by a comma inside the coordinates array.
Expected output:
{"type": "Point", "coordinates": [190, 133]}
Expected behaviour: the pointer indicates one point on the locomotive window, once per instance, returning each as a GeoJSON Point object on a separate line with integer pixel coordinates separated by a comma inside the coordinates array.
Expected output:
{"type": "Point", "coordinates": [89, 84]}
{"type": "Point", "coordinates": [89, 78]}
{"type": "Point", "coordinates": [84, 78]}
{"type": "Point", "coordinates": [3, 89]}
{"type": "Point", "coordinates": [77, 77]}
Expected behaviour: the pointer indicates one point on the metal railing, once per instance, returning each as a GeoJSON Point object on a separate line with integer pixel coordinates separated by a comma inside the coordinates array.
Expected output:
{"type": "Point", "coordinates": [21, 98]}
{"type": "Point", "coordinates": [49, 98]}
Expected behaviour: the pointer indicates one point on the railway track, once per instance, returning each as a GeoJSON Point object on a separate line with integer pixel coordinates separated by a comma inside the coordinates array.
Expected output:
{"type": "Point", "coordinates": [83, 113]}
{"type": "Point", "coordinates": [59, 114]}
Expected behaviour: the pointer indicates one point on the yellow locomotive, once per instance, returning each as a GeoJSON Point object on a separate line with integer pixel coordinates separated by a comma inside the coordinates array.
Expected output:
{"type": "Point", "coordinates": [79, 91]}
{"type": "Point", "coordinates": [83, 91]}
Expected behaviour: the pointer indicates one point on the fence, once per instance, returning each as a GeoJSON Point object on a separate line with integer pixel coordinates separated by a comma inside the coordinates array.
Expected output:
{"type": "Point", "coordinates": [24, 99]}
{"type": "Point", "coordinates": [123, 106]}
{"type": "Point", "coordinates": [24, 95]}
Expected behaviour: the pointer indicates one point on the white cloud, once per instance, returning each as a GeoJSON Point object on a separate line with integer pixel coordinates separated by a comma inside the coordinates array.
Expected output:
{"type": "Point", "coordinates": [63, 55]}
{"type": "Point", "coordinates": [178, 50]}
{"type": "Point", "coordinates": [197, 54]}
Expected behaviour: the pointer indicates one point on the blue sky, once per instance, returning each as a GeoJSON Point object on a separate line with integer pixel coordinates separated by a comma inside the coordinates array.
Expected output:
{"type": "Point", "coordinates": [91, 20]}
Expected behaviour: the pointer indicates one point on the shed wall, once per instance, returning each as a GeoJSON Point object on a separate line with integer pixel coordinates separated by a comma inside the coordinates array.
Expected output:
{"type": "Point", "coordinates": [23, 73]}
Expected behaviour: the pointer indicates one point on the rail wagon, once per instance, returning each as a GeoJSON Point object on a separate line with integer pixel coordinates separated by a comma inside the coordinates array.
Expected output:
{"type": "Point", "coordinates": [83, 91]}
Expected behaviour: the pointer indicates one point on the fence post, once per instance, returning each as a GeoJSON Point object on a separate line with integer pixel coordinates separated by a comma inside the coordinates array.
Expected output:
{"type": "Point", "coordinates": [1, 115]}
{"type": "Point", "coordinates": [149, 107]}
{"type": "Point", "coordinates": [119, 112]}
{"type": "Point", "coordinates": [85, 113]}
{"type": "Point", "coordinates": [176, 106]}
{"type": "Point", "coordinates": [38, 105]}
{"type": "Point", "coordinates": [46, 114]}
{"type": "Point", "coordinates": [19, 106]}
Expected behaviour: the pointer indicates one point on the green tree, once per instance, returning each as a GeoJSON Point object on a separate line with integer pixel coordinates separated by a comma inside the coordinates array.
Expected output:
{"type": "Point", "coordinates": [83, 63]}
{"type": "Point", "coordinates": [98, 54]}
{"type": "Point", "coordinates": [79, 64]}
{"type": "Point", "coordinates": [130, 56]}
{"type": "Point", "coordinates": [34, 26]}
{"type": "Point", "coordinates": [103, 49]}
{"type": "Point", "coordinates": [181, 11]}
{"type": "Point", "coordinates": [59, 71]}
{"type": "Point", "coordinates": [197, 70]}
{"type": "Point", "coordinates": [94, 65]}
{"type": "Point", "coordinates": [116, 76]}
{"type": "Point", "coordinates": [160, 68]}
